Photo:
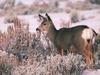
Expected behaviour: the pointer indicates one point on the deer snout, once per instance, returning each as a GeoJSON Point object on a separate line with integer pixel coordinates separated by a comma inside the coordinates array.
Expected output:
{"type": "Point", "coordinates": [37, 29]}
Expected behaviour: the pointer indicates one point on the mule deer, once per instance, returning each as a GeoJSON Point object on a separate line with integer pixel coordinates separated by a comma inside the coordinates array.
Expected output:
{"type": "Point", "coordinates": [80, 37]}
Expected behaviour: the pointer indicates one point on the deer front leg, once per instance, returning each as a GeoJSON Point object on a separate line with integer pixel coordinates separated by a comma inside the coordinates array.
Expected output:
{"type": "Point", "coordinates": [61, 52]}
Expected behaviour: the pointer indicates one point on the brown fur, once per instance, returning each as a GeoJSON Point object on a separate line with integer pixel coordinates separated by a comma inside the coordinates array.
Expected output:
{"type": "Point", "coordinates": [64, 38]}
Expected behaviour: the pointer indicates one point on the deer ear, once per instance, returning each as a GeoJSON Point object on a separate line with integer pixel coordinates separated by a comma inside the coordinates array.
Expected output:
{"type": "Point", "coordinates": [48, 17]}
{"type": "Point", "coordinates": [41, 17]}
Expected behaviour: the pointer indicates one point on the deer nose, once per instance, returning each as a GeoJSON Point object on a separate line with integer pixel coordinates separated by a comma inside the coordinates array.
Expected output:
{"type": "Point", "coordinates": [37, 29]}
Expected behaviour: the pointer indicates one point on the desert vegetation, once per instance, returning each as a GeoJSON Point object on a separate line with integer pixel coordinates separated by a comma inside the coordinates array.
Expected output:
{"type": "Point", "coordinates": [23, 53]}
{"type": "Point", "coordinates": [14, 8]}
{"type": "Point", "coordinates": [26, 53]}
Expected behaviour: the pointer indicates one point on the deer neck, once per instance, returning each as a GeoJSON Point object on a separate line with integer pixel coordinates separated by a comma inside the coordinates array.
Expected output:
{"type": "Point", "coordinates": [51, 33]}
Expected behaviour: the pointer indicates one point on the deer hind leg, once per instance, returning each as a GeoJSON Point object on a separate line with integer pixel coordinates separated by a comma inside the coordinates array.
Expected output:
{"type": "Point", "coordinates": [86, 51]}
{"type": "Point", "coordinates": [88, 56]}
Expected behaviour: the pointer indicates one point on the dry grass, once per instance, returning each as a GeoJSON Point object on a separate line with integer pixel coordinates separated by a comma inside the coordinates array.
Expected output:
{"type": "Point", "coordinates": [22, 53]}
{"type": "Point", "coordinates": [9, 7]}
{"type": "Point", "coordinates": [53, 65]}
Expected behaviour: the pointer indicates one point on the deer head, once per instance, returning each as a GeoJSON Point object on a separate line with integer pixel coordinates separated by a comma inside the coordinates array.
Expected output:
{"type": "Point", "coordinates": [45, 24]}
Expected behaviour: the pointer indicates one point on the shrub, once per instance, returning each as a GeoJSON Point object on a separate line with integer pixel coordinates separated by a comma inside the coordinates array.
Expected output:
{"type": "Point", "coordinates": [74, 16]}
{"type": "Point", "coordinates": [95, 1]}
{"type": "Point", "coordinates": [5, 69]}
{"type": "Point", "coordinates": [53, 65]}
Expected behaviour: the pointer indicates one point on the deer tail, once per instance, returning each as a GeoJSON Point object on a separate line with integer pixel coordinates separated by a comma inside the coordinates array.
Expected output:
{"type": "Point", "coordinates": [94, 33]}
{"type": "Point", "coordinates": [94, 36]}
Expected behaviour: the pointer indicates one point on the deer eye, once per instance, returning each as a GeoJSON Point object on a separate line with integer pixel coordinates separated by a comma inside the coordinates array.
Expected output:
{"type": "Point", "coordinates": [44, 23]}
